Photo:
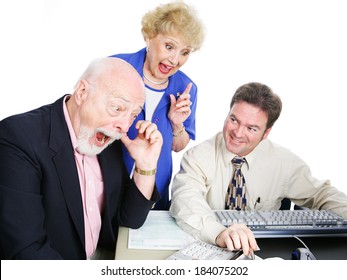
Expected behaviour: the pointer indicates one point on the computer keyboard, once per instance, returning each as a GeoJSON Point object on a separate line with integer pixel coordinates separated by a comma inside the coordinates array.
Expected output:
{"type": "Point", "coordinates": [287, 223]}
{"type": "Point", "coordinates": [200, 250]}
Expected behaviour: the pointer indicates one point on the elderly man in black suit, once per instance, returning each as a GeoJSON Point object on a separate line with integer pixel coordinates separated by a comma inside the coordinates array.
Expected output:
{"type": "Point", "coordinates": [64, 190]}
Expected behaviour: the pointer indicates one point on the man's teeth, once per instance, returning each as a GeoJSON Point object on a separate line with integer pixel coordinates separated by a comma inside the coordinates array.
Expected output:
{"type": "Point", "coordinates": [102, 138]}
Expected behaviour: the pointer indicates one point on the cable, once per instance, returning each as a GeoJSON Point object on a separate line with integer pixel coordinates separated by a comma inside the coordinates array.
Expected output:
{"type": "Point", "coordinates": [302, 242]}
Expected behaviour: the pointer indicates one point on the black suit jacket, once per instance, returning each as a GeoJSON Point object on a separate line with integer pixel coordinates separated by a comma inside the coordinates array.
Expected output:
{"type": "Point", "coordinates": [41, 215]}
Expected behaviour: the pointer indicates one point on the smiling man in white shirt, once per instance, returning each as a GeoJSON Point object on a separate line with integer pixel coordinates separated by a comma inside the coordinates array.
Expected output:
{"type": "Point", "coordinates": [271, 173]}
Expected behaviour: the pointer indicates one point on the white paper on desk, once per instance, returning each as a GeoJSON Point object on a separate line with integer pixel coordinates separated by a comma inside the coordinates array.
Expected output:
{"type": "Point", "coordinates": [159, 232]}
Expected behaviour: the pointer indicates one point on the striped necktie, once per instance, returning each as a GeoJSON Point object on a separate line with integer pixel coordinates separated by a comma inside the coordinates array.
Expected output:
{"type": "Point", "coordinates": [236, 194]}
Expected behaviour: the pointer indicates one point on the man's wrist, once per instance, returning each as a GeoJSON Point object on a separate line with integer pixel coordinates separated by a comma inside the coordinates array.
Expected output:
{"type": "Point", "coordinates": [146, 172]}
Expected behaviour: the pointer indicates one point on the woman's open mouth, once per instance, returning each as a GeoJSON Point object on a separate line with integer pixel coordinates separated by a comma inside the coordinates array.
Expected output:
{"type": "Point", "coordinates": [165, 69]}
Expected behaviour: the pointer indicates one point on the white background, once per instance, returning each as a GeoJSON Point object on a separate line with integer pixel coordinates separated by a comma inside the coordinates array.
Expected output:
{"type": "Point", "coordinates": [297, 47]}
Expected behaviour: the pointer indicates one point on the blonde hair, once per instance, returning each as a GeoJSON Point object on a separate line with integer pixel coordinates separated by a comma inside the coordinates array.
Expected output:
{"type": "Point", "coordinates": [171, 18]}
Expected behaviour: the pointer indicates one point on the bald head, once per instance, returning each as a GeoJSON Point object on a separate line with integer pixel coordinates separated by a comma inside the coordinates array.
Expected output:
{"type": "Point", "coordinates": [110, 71]}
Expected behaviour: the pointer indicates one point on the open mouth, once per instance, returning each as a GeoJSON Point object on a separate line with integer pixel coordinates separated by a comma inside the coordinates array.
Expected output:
{"type": "Point", "coordinates": [101, 139]}
{"type": "Point", "coordinates": [164, 68]}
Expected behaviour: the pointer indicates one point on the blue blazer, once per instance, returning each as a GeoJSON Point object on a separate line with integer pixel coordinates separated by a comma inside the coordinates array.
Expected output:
{"type": "Point", "coordinates": [177, 83]}
{"type": "Point", "coordinates": [41, 214]}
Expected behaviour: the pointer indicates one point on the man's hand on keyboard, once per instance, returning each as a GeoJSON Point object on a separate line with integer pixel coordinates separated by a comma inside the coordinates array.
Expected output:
{"type": "Point", "coordinates": [237, 236]}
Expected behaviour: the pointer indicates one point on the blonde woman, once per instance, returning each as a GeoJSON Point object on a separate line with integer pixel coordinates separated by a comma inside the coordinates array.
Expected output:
{"type": "Point", "coordinates": [171, 32]}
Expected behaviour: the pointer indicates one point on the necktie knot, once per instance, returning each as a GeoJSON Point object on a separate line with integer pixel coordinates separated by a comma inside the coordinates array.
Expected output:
{"type": "Point", "coordinates": [238, 161]}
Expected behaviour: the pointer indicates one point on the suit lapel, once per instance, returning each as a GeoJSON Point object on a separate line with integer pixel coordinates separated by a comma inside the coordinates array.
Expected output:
{"type": "Point", "coordinates": [65, 164]}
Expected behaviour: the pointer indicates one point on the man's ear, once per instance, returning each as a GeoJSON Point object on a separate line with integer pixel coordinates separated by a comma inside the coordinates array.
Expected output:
{"type": "Point", "coordinates": [267, 133]}
{"type": "Point", "coordinates": [80, 91]}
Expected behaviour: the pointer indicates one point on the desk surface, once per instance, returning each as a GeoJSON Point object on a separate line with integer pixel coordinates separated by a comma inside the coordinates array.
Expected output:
{"type": "Point", "coordinates": [324, 248]}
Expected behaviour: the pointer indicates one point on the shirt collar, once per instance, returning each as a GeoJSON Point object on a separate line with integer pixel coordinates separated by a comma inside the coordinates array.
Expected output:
{"type": "Point", "coordinates": [250, 158]}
